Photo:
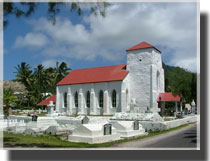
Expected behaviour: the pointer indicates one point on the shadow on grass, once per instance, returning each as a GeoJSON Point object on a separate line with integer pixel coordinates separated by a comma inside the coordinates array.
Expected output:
{"type": "Point", "coordinates": [10, 139]}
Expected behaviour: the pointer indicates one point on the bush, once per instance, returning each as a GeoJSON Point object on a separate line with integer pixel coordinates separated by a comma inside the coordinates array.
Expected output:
{"type": "Point", "coordinates": [18, 106]}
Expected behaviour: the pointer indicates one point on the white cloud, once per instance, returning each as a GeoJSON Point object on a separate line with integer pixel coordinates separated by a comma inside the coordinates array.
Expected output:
{"type": "Point", "coordinates": [52, 63]}
{"type": "Point", "coordinates": [31, 40]}
{"type": "Point", "coordinates": [163, 24]}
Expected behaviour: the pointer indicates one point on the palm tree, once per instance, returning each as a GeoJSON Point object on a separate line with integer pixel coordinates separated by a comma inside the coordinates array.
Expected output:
{"type": "Point", "coordinates": [40, 77]}
{"type": "Point", "coordinates": [62, 70]}
{"type": "Point", "coordinates": [24, 75]}
{"type": "Point", "coordinates": [8, 99]}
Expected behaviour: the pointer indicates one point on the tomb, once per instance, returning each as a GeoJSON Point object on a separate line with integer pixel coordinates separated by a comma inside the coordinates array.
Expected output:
{"type": "Point", "coordinates": [128, 128]}
{"type": "Point", "coordinates": [94, 133]}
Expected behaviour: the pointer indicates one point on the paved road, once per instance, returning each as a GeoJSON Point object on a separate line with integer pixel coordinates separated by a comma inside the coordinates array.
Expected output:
{"type": "Point", "coordinates": [186, 137]}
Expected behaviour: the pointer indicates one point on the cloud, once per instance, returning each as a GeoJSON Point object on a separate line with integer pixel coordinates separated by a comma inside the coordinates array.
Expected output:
{"type": "Point", "coordinates": [31, 40]}
{"type": "Point", "coordinates": [52, 62]}
{"type": "Point", "coordinates": [171, 26]}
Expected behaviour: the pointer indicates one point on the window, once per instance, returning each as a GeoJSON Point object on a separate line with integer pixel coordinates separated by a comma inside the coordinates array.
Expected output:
{"type": "Point", "coordinates": [76, 99]}
{"type": "Point", "coordinates": [101, 99]}
{"type": "Point", "coordinates": [88, 99]}
{"type": "Point", "coordinates": [65, 99]}
{"type": "Point", "coordinates": [114, 96]}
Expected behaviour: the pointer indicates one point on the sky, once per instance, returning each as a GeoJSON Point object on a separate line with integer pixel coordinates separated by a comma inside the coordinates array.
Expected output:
{"type": "Point", "coordinates": [92, 41]}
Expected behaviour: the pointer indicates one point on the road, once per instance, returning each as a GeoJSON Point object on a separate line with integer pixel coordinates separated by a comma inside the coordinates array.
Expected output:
{"type": "Point", "coordinates": [186, 137]}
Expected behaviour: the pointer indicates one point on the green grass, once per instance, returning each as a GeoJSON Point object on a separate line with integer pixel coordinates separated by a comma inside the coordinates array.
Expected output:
{"type": "Point", "coordinates": [17, 140]}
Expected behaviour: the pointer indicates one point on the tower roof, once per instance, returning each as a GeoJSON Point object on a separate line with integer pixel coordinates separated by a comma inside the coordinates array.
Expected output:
{"type": "Point", "coordinates": [142, 45]}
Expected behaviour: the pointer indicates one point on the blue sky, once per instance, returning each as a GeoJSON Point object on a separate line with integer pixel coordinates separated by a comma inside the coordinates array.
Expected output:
{"type": "Point", "coordinates": [90, 41]}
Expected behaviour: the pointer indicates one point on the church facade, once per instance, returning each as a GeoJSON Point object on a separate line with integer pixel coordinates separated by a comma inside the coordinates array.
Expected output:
{"type": "Point", "coordinates": [110, 89]}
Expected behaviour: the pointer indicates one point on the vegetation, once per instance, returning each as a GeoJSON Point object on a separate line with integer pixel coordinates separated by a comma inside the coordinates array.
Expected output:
{"type": "Point", "coordinates": [26, 9]}
{"type": "Point", "coordinates": [8, 99]}
{"type": "Point", "coordinates": [180, 82]}
{"type": "Point", "coordinates": [40, 80]}
{"type": "Point", "coordinates": [14, 140]}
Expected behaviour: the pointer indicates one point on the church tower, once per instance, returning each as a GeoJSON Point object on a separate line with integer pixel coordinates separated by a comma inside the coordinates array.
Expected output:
{"type": "Point", "coordinates": [146, 75]}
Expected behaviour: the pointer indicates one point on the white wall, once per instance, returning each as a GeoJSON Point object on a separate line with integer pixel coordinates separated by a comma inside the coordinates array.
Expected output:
{"type": "Point", "coordinates": [143, 66]}
{"type": "Point", "coordinates": [84, 88]}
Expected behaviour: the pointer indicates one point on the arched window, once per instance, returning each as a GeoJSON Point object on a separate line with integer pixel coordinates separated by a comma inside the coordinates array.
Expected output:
{"type": "Point", "coordinates": [76, 99]}
{"type": "Point", "coordinates": [101, 98]}
{"type": "Point", "coordinates": [114, 98]}
{"type": "Point", "coordinates": [65, 99]}
{"type": "Point", "coordinates": [88, 99]}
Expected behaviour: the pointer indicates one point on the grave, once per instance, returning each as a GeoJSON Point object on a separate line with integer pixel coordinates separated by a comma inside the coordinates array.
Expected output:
{"type": "Point", "coordinates": [128, 129]}
{"type": "Point", "coordinates": [94, 133]}
{"type": "Point", "coordinates": [42, 122]}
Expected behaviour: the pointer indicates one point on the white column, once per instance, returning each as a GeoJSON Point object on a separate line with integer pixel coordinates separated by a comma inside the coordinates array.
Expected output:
{"type": "Point", "coordinates": [181, 106]}
{"type": "Point", "coordinates": [80, 103]}
{"type": "Point", "coordinates": [58, 106]}
{"type": "Point", "coordinates": [176, 107]}
{"type": "Point", "coordinates": [123, 101]}
{"type": "Point", "coordinates": [106, 102]}
{"type": "Point", "coordinates": [69, 102]}
{"type": "Point", "coordinates": [92, 102]}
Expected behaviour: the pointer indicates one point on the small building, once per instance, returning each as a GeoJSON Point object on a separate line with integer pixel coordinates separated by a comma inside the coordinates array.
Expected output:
{"type": "Point", "coordinates": [94, 133]}
{"type": "Point", "coordinates": [169, 97]}
{"type": "Point", "coordinates": [46, 101]}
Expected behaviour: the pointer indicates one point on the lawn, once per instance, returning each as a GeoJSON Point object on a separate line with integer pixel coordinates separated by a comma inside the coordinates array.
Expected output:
{"type": "Point", "coordinates": [17, 140]}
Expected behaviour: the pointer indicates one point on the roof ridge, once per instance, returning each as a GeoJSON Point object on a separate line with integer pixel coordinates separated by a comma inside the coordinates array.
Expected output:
{"type": "Point", "coordinates": [99, 67]}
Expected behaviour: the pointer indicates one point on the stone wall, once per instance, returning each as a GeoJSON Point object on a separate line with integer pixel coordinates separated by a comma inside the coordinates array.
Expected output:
{"type": "Point", "coordinates": [160, 126]}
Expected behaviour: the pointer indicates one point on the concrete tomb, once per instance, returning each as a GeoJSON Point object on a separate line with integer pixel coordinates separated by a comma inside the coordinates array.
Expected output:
{"type": "Point", "coordinates": [94, 133]}
{"type": "Point", "coordinates": [128, 128]}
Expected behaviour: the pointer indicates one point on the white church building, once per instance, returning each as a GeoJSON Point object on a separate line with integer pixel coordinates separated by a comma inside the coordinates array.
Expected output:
{"type": "Point", "coordinates": [110, 89]}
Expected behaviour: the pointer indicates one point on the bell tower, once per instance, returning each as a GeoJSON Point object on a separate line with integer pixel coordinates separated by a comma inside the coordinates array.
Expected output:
{"type": "Point", "coordinates": [146, 75]}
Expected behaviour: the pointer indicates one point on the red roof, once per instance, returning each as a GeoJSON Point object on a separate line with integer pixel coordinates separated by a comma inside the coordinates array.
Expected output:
{"type": "Point", "coordinates": [95, 75]}
{"type": "Point", "coordinates": [167, 97]}
{"type": "Point", "coordinates": [142, 45]}
{"type": "Point", "coordinates": [47, 100]}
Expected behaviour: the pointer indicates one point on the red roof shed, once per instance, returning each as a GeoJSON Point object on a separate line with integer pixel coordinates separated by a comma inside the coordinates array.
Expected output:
{"type": "Point", "coordinates": [47, 100]}
{"type": "Point", "coordinates": [168, 97]}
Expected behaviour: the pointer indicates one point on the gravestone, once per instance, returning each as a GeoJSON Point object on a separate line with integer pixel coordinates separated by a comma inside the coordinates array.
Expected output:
{"type": "Point", "coordinates": [85, 120]}
{"type": "Point", "coordinates": [136, 125]}
{"type": "Point", "coordinates": [10, 111]}
{"type": "Point", "coordinates": [34, 118]}
{"type": "Point", "coordinates": [107, 129]}
{"type": "Point", "coordinates": [193, 106]}
{"type": "Point", "coordinates": [50, 109]}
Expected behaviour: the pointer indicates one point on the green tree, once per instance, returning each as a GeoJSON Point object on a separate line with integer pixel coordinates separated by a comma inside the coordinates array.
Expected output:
{"type": "Point", "coordinates": [9, 99]}
{"type": "Point", "coordinates": [24, 75]}
{"type": "Point", "coordinates": [61, 71]}
{"type": "Point", "coordinates": [40, 80]}
{"type": "Point", "coordinates": [180, 82]}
